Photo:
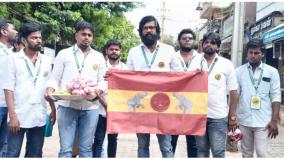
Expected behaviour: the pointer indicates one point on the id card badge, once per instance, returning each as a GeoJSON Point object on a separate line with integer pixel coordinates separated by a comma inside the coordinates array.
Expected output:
{"type": "Point", "coordinates": [255, 102]}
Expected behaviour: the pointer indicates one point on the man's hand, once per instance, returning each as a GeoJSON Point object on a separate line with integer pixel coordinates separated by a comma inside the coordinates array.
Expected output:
{"type": "Point", "coordinates": [272, 129]}
{"type": "Point", "coordinates": [53, 112]}
{"type": "Point", "coordinates": [95, 95]}
{"type": "Point", "coordinates": [53, 117]}
{"type": "Point", "coordinates": [47, 93]}
{"type": "Point", "coordinates": [14, 124]}
{"type": "Point", "coordinates": [200, 70]}
{"type": "Point", "coordinates": [106, 76]}
{"type": "Point", "coordinates": [232, 125]}
{"type": "Point", "coordinates": [101, 99]}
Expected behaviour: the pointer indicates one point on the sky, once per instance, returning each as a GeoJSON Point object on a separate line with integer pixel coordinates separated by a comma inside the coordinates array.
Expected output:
{"type": "Point", "coordinates": [179, 14]}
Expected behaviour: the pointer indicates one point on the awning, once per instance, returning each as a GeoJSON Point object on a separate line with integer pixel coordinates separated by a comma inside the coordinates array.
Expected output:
{"type": "Point", "coordinates": [273, 34]}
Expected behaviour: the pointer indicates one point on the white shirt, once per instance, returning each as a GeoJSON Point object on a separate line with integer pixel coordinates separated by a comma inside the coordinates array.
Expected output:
{"type": "Point", "coordinates": [4, 52]}
{"type": "Point", "coordinates": [221, 79]}
{"type": "Point", "coordinates": [29, 102]}
{"type": "Point", "coordinates": [165, 60]}
{"type": "Point", "coordinates": [120, 66]}
{"type": "Point", "coordinates": [65, 70]}
{"type": "Point", "coordinates": [196, 62]}
{"type": "Point", "coordinates": [268, 90]}
{"type": "Point", "coordinates": [50, 53]}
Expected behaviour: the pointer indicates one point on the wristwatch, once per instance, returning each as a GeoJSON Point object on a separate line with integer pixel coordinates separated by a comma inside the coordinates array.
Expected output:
{"type": "Point", "coordinates": [233, 118]}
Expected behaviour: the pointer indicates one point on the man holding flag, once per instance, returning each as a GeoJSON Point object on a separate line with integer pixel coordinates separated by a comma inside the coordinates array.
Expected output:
{"type": "Point", "coordinates": [152, 55]}
{"type": "Point", "coordinates": [156, 96]}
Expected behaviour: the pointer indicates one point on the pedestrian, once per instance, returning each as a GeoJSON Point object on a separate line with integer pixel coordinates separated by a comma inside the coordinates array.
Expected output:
{"type": "Point", "coordinates": [25, 100]}
{"type": "Point", "coordinates": [259, 101]}
{"type": "Point", "coordinates": [221, 79]}
{"type": "Point", "coordinates": [113, 52]}
{"type": "Point", "coordinates": [191, 60]}
{"type": "Point", "coordinates": [8, 34]}
{"type": "Point", "coordinates": [152, 55]}
{"type": "Point", "coordinates": [79, 60]}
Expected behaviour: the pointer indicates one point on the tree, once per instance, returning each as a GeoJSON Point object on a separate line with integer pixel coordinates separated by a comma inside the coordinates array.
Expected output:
{"type": "Point", "coordinates": [57, 20]}
{"type": "Point", "coordinates": [169, 39]}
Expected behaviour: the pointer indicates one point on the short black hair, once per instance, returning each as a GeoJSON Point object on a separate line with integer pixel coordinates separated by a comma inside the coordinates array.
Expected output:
{"type": "Point", "coordinates": [81, 25]}
{"type": "Point", "coordinates": [4, 24]}
{"type": "Point", "coordinates": [256, 43]}
{"type": "Point", "coordinates": [27, 28]}
{"type": "Point", "coordinates": [113, 42]}
{"type": "Point", "coordinates": [147, 19]}
{"type": "Point", "coordinates": [186, 31]}
{"type": "Point", "coordinates": [212, 36]}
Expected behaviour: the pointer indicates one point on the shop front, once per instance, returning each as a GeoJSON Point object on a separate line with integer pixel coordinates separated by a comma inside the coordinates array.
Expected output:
{"type": "Point", "coordinates": [271, 30]}
{"type": "Point", "coordinates": [274, 44]}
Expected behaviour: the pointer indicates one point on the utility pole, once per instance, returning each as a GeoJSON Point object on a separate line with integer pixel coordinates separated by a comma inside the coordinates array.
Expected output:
{"type": "Point", "coordinates": [163, 18]}
{"type": "Point", "coordinates": [238, 34]}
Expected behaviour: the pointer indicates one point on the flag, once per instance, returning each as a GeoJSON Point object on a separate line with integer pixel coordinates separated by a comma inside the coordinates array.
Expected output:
{"type": "Point", "coordinates": [157, 102]}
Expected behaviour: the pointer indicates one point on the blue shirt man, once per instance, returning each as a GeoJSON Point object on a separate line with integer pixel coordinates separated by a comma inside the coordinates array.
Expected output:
{"type": "Point", "coordinates": [259, 101]}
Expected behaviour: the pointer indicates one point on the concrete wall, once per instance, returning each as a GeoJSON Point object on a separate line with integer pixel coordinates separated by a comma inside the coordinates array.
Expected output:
{"type": "Point", "coordinates": [265, 8]}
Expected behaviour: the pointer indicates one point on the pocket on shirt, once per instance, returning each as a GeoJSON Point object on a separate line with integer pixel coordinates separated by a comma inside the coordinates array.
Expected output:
{"type": "Point", "coordinates": [264, 89]}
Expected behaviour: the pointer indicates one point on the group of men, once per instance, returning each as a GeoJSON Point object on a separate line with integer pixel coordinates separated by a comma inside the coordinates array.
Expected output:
{"type": "Point", "coordinates": [27, 80]}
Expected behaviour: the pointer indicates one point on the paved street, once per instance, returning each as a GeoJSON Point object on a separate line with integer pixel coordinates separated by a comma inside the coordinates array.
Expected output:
{"type": "Point", "coordinates": [127, 146]}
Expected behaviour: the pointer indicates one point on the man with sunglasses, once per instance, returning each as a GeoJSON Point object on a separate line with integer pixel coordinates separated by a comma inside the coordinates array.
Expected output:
{"type": "Point", "coordinates": [221, 81]}
{"type": "Point", "coordinates": [190, 60]}
{"type": "Point", "coordinates": [259, 101]}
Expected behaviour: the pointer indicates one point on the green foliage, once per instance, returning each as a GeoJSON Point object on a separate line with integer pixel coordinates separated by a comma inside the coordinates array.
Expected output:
{"type": "Point", "coordinates": [58, 18]}
{"type": "Point", "coordinates": [169, 39]}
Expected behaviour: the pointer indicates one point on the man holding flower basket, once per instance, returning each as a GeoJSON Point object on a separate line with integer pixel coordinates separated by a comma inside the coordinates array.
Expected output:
{"type": "Point", "coordinates": [78, 75]}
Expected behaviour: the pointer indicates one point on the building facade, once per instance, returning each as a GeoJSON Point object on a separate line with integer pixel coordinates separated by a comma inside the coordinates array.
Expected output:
{"type": "Point", "coordinates": [269, 27]}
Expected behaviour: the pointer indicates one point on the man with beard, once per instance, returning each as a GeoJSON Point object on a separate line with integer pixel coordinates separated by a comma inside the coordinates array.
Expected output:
{"type": "Point", "coordinates": [8, 34]}
{"type": "Point", "coordinates": [152, 55]}
{"type": "Point", "coordinates": [221, 79]}
{"type": "Point", "coordinates": [24, 88]}
{"type": "Point", "coordinates": [191, 61]}
{"type": "Point", "coordinates": [113, 53]}
{"type": "Point", "coordinates": [79, 60]}
{"type": "Point", "coordinates": [259, 101]}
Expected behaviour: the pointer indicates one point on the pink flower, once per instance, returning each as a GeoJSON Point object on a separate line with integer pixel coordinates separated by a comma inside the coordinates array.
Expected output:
{"type": "Point", "coordinates": [76, 92]}
{"type": "Point", "coordinates": [81, 86]}
{"type": "Point", "coordinates": [236, 135]}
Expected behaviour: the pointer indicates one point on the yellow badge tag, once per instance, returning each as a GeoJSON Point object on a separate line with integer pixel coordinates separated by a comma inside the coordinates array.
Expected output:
{"type": "Point", "coordinates": [95, 66]}
{"type": "Point", "coordinates": [255, 102]}
{"type": "Point", "coordinates": [218, 77]}
{"type": "Point", "coordinates": [161, 64]}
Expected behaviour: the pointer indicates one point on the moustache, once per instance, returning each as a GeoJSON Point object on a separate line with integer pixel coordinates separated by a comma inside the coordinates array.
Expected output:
{"type": "Point", "coordinates": [113, 54]}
